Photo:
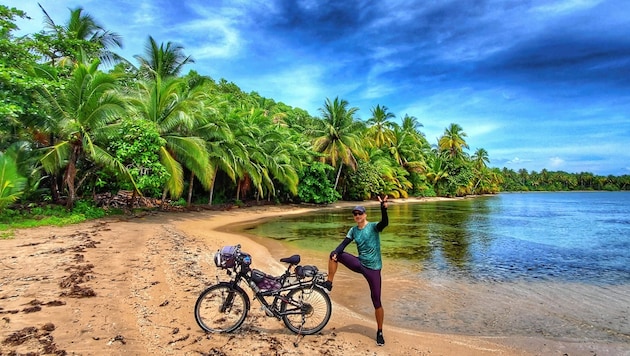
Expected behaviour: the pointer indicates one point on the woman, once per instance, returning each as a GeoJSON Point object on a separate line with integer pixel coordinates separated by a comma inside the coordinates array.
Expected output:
{"type": "Point", "coordinates": [369, 262]}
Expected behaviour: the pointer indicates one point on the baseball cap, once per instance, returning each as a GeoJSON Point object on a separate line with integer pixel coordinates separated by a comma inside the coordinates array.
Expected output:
{"type": "Point", "coordinates": [359, 208]}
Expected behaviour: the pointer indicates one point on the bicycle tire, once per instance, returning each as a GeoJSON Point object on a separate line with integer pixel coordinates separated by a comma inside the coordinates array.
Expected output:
{"type": "Point", "coordinates": [316, 309]}
{"type": "Point", "coordinates": [221, 308]}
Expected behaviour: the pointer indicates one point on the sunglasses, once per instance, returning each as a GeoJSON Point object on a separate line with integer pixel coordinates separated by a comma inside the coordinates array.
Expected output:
{"type": "Point", "coordinates": [355, 213]}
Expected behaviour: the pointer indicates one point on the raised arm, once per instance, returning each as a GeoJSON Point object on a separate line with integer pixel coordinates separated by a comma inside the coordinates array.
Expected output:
{"type": "Point", "coordinates": [384, 218]}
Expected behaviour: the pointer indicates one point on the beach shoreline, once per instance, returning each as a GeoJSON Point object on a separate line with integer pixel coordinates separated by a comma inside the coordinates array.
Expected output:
{"type": "Point", "coordinates": [127, 285]}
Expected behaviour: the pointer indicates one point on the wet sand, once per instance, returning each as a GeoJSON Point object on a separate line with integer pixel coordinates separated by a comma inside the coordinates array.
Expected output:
{"type": "Point", "coordinates": [120, 286]}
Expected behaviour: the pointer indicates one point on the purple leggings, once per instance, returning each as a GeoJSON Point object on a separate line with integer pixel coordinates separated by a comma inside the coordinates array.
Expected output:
{"type": "Point", "coordinates": [372, 276]}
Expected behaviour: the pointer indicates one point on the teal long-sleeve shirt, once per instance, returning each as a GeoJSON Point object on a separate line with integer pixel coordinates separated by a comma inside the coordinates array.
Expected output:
{"type": "Point", "coordinates": [368, 241]}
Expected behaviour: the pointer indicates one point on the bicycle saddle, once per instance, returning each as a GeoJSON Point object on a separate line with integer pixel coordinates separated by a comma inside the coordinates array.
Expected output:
{"type": "Point", "coordinates": [293, 260]}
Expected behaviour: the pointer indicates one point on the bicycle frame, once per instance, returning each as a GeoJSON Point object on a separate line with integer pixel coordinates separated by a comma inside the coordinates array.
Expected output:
{"type": "Point", "coordinates": [297, 297]}
{"type": "Point", "coordinates": [289, 281]}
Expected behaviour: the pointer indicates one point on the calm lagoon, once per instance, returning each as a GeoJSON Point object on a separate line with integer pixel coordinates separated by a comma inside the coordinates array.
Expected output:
{"type": "Point", "coordinates": [572, 237]}
{"type": "Point", "coordinates": [552, 265]}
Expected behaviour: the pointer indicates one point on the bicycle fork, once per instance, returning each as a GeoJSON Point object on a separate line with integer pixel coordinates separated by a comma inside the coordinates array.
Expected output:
{"type": "Point", "coordinates": [227, 303]}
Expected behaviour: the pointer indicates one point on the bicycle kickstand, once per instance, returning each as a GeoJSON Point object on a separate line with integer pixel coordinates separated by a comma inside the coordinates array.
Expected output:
{"type": "Point", "coordinates": [298, 338]}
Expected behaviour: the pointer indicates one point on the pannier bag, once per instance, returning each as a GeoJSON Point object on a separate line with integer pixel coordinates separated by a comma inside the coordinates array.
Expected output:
{"type": "Point", "coordinates": [265, 281]}
{"type": "Point", "coordinates": [306, 271]}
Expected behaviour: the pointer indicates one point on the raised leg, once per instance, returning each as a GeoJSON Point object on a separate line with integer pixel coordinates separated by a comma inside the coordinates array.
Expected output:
{"type": "Point", "coordinates": [332, 267]}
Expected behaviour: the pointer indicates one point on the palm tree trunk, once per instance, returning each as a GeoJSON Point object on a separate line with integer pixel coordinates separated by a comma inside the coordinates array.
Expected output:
{"type": "Point", "coordinates": [54, 187]}
{"type": "Point", "coordinates": [476, 185]}
{"type": "Point", "coordinates": [338, 175]}
{"type": "Point", "coordinates": [190, 188]}
{"type": "Point", "coordinates": [71, 172]}
{"type": "Point", "coordinates": [214, 177]}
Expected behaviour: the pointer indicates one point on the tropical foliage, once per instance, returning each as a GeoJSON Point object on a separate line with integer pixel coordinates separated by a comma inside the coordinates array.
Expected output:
{"type": "Point", "coordinates": [523, 180]}
{"type": "Point", "coordinates": [11, 183]}
{"type": "Point", "coordinates": [77, 120]}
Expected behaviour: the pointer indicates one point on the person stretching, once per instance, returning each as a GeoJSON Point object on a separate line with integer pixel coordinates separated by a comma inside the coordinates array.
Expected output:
{"type": "Point", "coordinates": [369, 262]}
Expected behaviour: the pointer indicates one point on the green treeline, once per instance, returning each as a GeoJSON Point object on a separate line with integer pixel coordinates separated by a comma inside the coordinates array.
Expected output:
{"type": "Point", "coordinates": [560, 181]}
{"type": "Point", "coordinates": [77, 120]}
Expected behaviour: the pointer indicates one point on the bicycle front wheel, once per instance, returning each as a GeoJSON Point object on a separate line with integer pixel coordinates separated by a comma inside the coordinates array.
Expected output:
{"type": "Point", "coordinates": [308, 310]}
{"type": "Point", "coordinates": [221, 308]}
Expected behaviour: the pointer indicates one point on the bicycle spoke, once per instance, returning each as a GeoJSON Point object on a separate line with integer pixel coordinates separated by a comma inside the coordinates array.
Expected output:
{"type": "Point", "coordinates": [312, 312]}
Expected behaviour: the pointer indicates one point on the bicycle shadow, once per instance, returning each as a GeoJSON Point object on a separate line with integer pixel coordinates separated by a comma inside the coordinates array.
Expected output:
{"type": "Point", "coordinates": [280, 330]}
{"type": "Point", "coordinates": [356, 329]}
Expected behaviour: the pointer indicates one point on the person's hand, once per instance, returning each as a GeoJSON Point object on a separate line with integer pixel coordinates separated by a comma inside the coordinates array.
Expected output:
{"type": "Point", "coordinates": [383, 201]}
{"type": "Point", "coordinates": [333, 256]}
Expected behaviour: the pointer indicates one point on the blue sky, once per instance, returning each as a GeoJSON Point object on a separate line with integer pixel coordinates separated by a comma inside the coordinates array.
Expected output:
{"type": "Point", "coordinates": [538, 84]}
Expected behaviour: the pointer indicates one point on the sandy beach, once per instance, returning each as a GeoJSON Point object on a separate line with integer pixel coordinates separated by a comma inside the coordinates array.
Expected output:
{"type": "Point", "coordinates": [127, 286]}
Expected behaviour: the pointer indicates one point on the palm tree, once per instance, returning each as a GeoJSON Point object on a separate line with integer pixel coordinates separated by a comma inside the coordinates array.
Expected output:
{"type": "Point", "coordinates": [223, 151]}
{"type": "Point", "coordinates": [80, 33]}
{"type": "Point", "coordinates": [480, 159]}
{"type": "Point", "coordinates": [480, 162]}
{"type": "Point", "coordinates": [407, 151]}
{"type": "Point", "coordinates": [281, 163]}
{"type": "Point", "coordinates": [437, 172]}
{"type": "Point", "coordinates": [379, 125]}
{"type": "Point", "coordinates": [83, 112]}
{"type": "Point", "coordinates": [223, 148]}
{"type": "Point", "coordinates": [12, 184]}
{"type": "Point", "coordinates": [163, 62]}
{"type": "Point", "coordinates": [268, 157]}
{"type": "Point", "coordinates": [338, 135]}
{"type": "Point", "coordinates": [394, 176]}
{"type": "Point", "coordinates": [172, 107]}
{"type": "Point", "coordinates": [411, 124]}
{"type": "Point", "coordinates": [452, 141]}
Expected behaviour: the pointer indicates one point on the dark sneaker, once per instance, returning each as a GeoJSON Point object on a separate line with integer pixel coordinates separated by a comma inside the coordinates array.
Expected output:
{"type": "Point", "coordinates": [327, 285]}
{"type": "Point", "coordinates": [380, 341]}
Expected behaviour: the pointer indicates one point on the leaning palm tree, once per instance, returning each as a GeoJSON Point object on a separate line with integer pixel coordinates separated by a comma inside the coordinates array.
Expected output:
{"type": "Point", "coordinates": [338, 135]}
{"type": "Point", "coordinates": [163, 61]}
{"type": "Point", "coordinates": [80, 33]}
{"type": "Point", "coordinates": [83, 112]}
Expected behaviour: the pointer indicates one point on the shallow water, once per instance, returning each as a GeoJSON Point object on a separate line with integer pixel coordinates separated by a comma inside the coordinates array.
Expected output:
{"type": "Point", "coordinates": [555, 265]}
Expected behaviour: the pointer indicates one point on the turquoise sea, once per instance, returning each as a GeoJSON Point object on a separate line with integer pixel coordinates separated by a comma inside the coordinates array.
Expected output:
{"type": "Point", "coordinates": [551, 265]}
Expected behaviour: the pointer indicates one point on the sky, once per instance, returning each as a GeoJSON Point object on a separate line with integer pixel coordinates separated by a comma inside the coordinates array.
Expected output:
{"type": "Point", "coordinates": [538, 84]}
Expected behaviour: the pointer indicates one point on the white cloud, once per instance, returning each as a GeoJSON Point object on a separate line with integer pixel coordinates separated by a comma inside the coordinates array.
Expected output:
{"type": "Point", "coordinates": [377, 90]}
{"type": "Point", "coordinates": [210, 38]}
{"type": "Point", "coordinates": [145, 14]}
{"type": "Point", "coordinates": [556, 162]}
{"type": "Point", "coordinates": [517, 160]}
{"type": "Point", "coordinates": [563, 6]}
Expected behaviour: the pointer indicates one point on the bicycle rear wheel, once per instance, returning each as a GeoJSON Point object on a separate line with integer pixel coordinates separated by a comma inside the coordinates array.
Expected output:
{"type": "Point", "coordinates": [308, 312]}
{"type": "Point", "coordinates": [221, 308]}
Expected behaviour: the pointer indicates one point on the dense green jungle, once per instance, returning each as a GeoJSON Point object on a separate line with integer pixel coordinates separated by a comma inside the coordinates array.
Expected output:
{"type": "Point", "coordinates": [82, 128]}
